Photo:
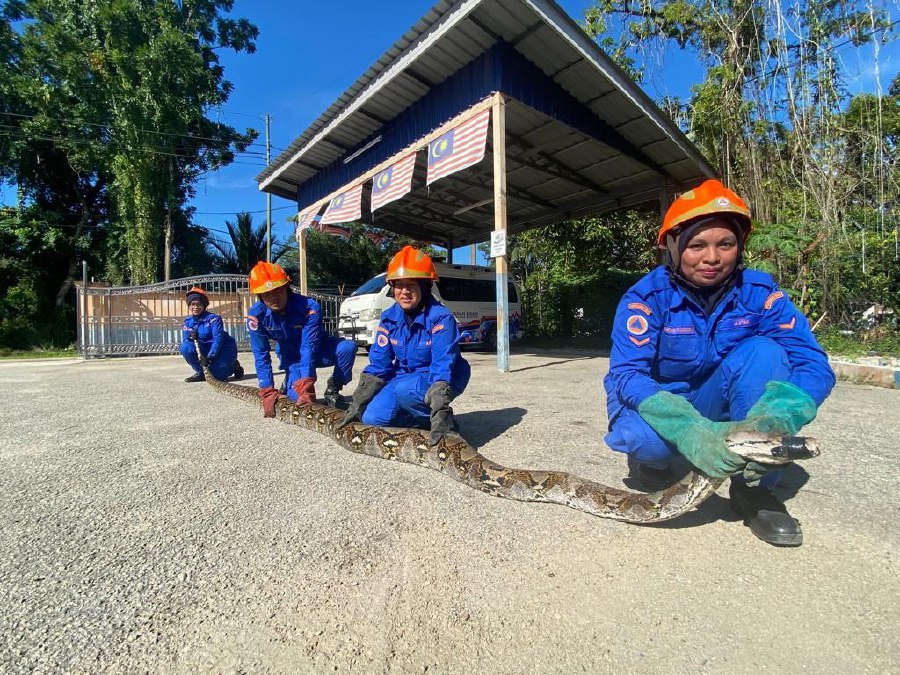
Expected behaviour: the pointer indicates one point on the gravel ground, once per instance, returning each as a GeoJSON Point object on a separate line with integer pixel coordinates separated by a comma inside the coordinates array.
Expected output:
{"type": "Point", "coordinates": [155, 526]}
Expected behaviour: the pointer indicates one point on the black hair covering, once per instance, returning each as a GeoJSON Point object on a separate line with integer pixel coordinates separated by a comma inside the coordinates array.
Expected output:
{"type": "Point", "coordinates": [197, 296]}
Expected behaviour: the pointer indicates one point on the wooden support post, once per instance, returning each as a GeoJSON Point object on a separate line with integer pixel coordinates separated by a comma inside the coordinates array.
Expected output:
{"type": "Point", "coordinates": [663, 199]}
{"type": "Point", "coordinates": [301, 243]}
{"type": "Point", "coordinates": [499, 138]}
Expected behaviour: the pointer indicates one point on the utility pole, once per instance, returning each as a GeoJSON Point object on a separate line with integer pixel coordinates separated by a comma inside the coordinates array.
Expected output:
{"type": "Point", "coordinates": [268, 198]}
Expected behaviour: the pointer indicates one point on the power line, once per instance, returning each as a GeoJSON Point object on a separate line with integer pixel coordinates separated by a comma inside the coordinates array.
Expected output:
{"type": "Point", "coordinates": [232, 213]}
{"type": "Point", "coordinates": [109, 128]}
{"type": "Point", "coordinates": [16, 132]}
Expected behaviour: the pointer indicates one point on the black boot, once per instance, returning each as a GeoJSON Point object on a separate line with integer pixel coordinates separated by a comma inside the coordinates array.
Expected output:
{"type": "Point", "coordinates": [238, 370]}
{"type": "Point", "coordinates": [649, 477]}
{"type": "Point", "coordinates": [196, 377]}
{"type": "Point", "coordinates": [332, 394]}
{"type": "Point", "coordinates": [766, 515]}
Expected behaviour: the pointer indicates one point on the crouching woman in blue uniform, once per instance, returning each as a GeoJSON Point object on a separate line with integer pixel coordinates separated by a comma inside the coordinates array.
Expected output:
{"type": "Point", "coordinates": [700, 340]}
{"type": "Point", "coordinates": [218, 350]}
{"type": "Point", "coordinates": [294, 322]}
{"type": "Point", "coordinates": [415, 367]}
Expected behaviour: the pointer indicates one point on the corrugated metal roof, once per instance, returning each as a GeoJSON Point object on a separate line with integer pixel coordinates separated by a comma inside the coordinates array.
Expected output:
{"type": "Point", "coordinates": [554, 172]}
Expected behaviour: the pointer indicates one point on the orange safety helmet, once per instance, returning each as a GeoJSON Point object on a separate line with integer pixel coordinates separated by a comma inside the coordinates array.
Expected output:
{"type": "Point", "coordinates": [196, 290]}
{"type": "Point", "coordinates": [411, 263]}
{"type": "Point", "coordinates": [710, 198]}
{"type": "Point", "coordinates": [266, 276]}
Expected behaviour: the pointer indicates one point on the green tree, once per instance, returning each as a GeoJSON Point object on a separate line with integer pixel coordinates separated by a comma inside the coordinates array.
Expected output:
{"type": "Point", "coordinates": [246, 246]}
{"type": "Point", "coordinates": [121, 90]}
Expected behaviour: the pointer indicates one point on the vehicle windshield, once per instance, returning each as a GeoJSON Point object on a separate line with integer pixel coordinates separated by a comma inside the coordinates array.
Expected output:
{"type": "Point", "coordinates": [373, 285]}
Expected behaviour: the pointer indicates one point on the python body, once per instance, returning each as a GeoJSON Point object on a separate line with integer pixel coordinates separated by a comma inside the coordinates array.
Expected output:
{"type": "Point", "coordinates": [454, 457]}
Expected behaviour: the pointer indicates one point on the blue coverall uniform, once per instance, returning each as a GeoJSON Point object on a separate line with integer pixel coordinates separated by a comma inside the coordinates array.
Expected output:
{"type": "Point", "coordinates": [215, 344]}
{"type": "Point", "coordinates": [302, 343]}
{"type": "Point", "coordinates": [410, 357]}
{"type": "Point", "coordinates": [663, 340]}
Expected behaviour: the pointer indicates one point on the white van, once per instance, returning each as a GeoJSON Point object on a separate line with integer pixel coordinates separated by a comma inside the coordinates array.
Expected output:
{"type": "Point", "coordinates": [468, 291]}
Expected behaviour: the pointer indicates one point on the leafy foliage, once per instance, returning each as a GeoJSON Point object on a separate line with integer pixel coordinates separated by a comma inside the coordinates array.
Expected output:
{"type": "Point", "coordinates": [103, 129]}
{"type": "Point", "coordinates": [247, 246]}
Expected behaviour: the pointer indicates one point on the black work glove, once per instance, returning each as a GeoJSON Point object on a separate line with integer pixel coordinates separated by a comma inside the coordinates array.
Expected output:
{"type": "Point", "coordinates": [204, 360]}
{"type": "Point", "coordinates": [192, 335]}
{"type": "Point", "coordinates": [368, 387]}
{"type": "Point", "coordinates": [438, 398]}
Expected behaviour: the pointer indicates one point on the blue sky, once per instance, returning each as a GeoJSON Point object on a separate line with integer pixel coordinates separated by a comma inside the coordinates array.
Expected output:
{"type": "Point", "coordinates": [309, 52]}
{"type": "Point", "coordinates": [300, 68]}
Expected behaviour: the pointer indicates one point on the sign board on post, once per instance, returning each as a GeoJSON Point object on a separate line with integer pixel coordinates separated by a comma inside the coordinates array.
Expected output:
{"type": "Point", "coordinates": [498, 243]}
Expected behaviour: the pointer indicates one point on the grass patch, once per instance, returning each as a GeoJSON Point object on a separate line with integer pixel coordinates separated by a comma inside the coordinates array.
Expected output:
{"type": "Point", "coordinates": [877, 342]}
{"type": "Point", "coordinates": [37, 353]}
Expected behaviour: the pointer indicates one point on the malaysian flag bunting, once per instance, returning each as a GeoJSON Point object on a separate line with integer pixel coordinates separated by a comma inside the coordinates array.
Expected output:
{"type": "Point", "coordinates": [394, 182]}
{"type": "Point", "coordinates": [375, 238]}
{"type": "Point", "coordinates": [306, 220]}
{"type": "Point", "coordinates": [459, 148]}
{"type": "Point", "coordinates": [345, 207]}
{"type": "Point", "coordinates": [335, 231]}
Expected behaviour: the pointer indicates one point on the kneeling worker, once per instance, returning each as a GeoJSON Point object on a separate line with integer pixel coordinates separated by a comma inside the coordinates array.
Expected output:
{"type": "Point", "coordinates": [415, 367]}
{"type": "Point", "coordinates": [218, 350]}
{"type": "Point", "coordinates": [294, 322]}
{"type": "Point", "coordinates": [701, 340]}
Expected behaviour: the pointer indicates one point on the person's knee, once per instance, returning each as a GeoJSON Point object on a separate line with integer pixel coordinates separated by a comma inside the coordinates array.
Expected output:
{"type": "Point", "coordinates": [410, 395]}
{"type": "Point", "coordinates": [377, 415]}
{"type": "Point", "coordinates": [631, 435]}
{"type": "Point", "coordinates": [187, 349]}
{"type": "Point", "coordinates": [759, 353]}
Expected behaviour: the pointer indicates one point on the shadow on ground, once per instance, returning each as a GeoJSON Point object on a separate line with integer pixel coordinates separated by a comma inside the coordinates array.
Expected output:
{"type": "Point", "coordinates": [793, 477]}
{"type": "Point", "coordinates": [481, 426]}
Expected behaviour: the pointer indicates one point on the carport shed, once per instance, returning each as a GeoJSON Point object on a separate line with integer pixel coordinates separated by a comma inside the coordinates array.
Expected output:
{"type": "Point", "coordinates": [571, 134]}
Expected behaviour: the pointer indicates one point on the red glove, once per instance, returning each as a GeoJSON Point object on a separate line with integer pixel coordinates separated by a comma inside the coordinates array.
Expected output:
{"type": "Point", "coordinates": [306, 390]}
{"type": "Point", "coordinates": [268, 396]}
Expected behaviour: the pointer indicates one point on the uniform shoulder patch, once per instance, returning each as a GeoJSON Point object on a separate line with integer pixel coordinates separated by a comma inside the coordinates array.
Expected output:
{"type": "Point", "coordinates": [437, 329]}
{"type": "Point", "coordinates": [641, 307]}
{"type": "Point", "coordinates": [639, 343]}
{"type": "Point", "coordinates": [789, 325]}
{"type": "Point", "coordinates": [381, 340]}
{"type": "Point", "coordinates": [252, 322]}
{"type": "Point", "coordinates": [636, 324]}
{"type": "Point", "coordinates": [772, 299]}
{"type": "Point", "coordinates": [383, 330]}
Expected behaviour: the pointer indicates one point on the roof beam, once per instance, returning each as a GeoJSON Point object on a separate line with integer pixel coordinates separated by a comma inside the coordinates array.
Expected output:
{"type": "Point", "coordinates": [409, 72]}
{"type": "Point", "coordinates": [512, 191]}
{"type": "Point", "coordinates": [554, 168]}
{"type": "Point", "coordinates": [437, 215]}
{"type": "Point", "coordinates": [527, 33]}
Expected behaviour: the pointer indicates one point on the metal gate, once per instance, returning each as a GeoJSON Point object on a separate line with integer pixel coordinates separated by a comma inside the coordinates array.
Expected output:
{"type": "Point", "coordinates": [129, 320]}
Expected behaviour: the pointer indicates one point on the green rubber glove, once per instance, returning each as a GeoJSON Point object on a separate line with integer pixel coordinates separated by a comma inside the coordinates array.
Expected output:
{"type": "Point", "coordinates": [700, 440]}
{"type": "Point", "coordinates": [783, 408]}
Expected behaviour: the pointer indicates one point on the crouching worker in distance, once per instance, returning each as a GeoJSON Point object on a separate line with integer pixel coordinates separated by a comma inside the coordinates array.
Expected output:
{"type": "Point", "coordinates": [415, 367]}
{"type": "Point", "coordinates": [294, 322]}
{"type": "Point", "coordinates": [700, 340]}
{"type": "Point", "coordinates": [218, 350]}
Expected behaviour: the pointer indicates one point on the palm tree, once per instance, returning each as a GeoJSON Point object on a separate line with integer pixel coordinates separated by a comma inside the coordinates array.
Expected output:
{"type": "Point", "coordinates": [247, 246]}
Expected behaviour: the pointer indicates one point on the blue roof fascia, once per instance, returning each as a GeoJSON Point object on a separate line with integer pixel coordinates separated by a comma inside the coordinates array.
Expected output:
{"type": "Point", "coordinates": [500, 68]}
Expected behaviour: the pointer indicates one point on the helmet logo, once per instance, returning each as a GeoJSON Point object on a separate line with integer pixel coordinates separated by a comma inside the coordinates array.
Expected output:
{"type": "Point", "coordinates": [723, 201]}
